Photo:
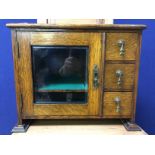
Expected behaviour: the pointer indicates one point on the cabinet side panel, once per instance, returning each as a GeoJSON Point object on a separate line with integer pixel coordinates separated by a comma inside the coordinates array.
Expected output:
{"type": "Point", "coordinates": [136, 76]}
{"type": "Point", "coordinates": [16, 74]}
{"type": "Point", "coordinates": [25, 72]}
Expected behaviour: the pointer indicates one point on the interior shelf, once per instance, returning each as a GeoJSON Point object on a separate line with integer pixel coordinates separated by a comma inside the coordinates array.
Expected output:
{"type": "Point", "coordinates": [64, 87]}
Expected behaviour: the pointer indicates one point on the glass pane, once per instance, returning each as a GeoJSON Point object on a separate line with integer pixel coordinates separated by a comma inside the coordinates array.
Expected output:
{"type": "Point", "coordinates": [60, 74]}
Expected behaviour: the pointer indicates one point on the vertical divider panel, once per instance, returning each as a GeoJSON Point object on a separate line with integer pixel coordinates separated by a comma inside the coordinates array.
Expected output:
{"type": "Point", "coordinates": [94, 59]}
{"type": "Point", "coordinates": [102, 72]}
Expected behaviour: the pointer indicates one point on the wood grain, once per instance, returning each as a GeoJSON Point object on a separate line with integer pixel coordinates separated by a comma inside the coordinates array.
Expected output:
{"type": "Point", "coordinates": [113, 50]}
{"type": "Point", "coordinates": [103, 51]}
{"type": "Point", "coordinates": [109, 108]}
{"type": "Point", "coordinates": [110, 82]}
{"type": "Point", "coordinates": [102, 71]}
{"type": "Point", "coordinates": [26, 72]}
{"type": "Point", "coordinates": [94, 94]}
{"type": "Point", "coordinates": [61, 109]}
{"type": "Point", "coordinates": [136, 77]}
{"type": "Point", "coordinates": [59, 38]}
{"type": "Point", "coordinates": [17, 75]}
{"type": "Point", "coordinates": [92, 40]}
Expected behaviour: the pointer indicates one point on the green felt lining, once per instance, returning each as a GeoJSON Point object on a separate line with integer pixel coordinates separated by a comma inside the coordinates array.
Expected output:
{"type": "Point", "coordinates": [65, 86]}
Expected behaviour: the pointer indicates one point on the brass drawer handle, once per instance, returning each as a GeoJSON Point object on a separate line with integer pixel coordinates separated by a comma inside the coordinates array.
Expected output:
{"type": "Point", "coordinates": [119, 75]}
{"type": "Point", "coordinates": [95, 76]}
{"type": "Point", "coordinates": [121, 45]}
{"type": "Point", "coordinates": [117, 101]}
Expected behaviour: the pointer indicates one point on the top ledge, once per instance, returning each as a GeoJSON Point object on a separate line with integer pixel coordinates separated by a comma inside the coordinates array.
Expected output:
{"type": "Point", "coordinates": [76, 26]}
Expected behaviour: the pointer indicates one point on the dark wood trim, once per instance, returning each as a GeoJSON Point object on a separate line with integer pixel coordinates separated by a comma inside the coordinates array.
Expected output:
{"type": "Point", "coordinates": [73, 117]}
{"type": "Point", "coordinates": [103, 69]}
{"type": "Point", "coordinates": [77, 30]}
{"type": "Point", "coordinates": [78, 26]}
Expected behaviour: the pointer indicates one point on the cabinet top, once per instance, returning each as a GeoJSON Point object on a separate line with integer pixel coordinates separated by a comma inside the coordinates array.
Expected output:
{"type": "Point", "coordinates": [77, 26]}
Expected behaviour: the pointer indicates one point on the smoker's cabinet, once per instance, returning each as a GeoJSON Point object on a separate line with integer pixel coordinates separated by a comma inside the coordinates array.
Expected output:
{"type": "Point", "coordinates": [76, 71]}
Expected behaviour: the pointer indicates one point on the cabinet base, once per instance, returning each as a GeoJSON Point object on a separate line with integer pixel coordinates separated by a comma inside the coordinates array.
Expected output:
{"type": "Point", "coordinates": [20, 128]}
{"type": "Point", "coordinates": [130, 126]}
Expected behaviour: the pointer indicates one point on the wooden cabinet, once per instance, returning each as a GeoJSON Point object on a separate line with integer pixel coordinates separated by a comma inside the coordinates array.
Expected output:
{"type": "Point", "coordinates": [76, 71]}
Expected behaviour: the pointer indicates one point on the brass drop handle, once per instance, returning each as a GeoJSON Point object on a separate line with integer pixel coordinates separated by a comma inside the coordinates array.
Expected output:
{"type": "Point", "coordinates": [121, 45]}
{"type": "Point", "coordinates": [117, 101]}
{"type": "Point", "coordinates": [95, 76]}
{"type": "Point", "coordinates": [119, 75]}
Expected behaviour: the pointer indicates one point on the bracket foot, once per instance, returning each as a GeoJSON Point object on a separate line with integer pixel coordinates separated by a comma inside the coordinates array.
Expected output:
{"type": "Point", "coordinates": [131, 126]}
{"type": "Point", "coordinates": [20, 128]}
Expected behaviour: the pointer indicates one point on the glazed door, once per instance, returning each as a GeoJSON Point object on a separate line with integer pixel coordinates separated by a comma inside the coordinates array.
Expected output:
{"type": "Point", "coordinates": [60, 73]}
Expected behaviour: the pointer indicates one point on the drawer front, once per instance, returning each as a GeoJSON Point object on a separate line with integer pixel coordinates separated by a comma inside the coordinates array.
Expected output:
{"type": "Point", "coordinates": [121, 46]}
{"type": "Point", "coordinates": [119, 77]}
{"type": "Point", "coordinates": [117, 104]}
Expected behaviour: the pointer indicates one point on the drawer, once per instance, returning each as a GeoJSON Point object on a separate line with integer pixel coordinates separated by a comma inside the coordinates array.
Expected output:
{"type": "Point", "coordinates": [119, 77]}
{"type": "Point", "coordinates": [117, 104]}
{"type": "Point", "coordinates": [119, 43]}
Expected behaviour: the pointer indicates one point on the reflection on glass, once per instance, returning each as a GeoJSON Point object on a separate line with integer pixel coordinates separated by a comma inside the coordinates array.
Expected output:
{"type": "Point", "coordinates": [60, 74]}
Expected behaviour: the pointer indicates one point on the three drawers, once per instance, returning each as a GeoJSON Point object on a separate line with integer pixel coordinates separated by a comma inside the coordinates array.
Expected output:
{"type": "Point", "coordinates": [120, 57]}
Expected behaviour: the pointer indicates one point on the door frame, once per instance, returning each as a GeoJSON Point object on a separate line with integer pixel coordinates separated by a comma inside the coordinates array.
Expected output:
{"type": "Point", "coordinates": [93, 40]}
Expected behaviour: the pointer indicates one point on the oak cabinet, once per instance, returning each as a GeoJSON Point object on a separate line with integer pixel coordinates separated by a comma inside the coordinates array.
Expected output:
{"type": "Point", "coordinates": [76, 71]}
